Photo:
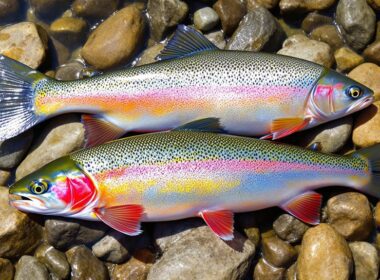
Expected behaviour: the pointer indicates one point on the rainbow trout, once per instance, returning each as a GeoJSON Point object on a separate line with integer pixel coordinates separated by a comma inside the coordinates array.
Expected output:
{"type": "Point", "coordinates": [254, 94]}
{"type": "Point", "coordinates": [175, 175]}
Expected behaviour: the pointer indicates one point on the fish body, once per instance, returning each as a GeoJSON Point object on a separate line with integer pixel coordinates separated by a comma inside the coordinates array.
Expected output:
{"type": "Point", "coordinates": [254, 94]}
{"type": "Point", "coordinates": [181, 174]}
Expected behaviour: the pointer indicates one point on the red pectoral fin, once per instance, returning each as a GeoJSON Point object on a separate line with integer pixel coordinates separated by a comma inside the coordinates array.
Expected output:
{"type": "Point", "coordinates": [124, 218]}
{"type": "Point", "coordinates": [286, 126]}
{"type": "Point", "coordinates": [305, 207]}
{"type": "Point", "coordinates": [220, 222]}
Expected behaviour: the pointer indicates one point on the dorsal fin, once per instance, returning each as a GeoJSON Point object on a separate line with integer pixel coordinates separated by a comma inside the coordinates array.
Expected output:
{"type": "Point", "coordinates": [186, 42]}
{"type": "Point", "coordinates": [202, 125]}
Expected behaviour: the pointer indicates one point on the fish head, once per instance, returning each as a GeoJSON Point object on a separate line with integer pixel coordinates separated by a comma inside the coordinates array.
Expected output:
{"type": "Point", "coordinates": [335, 95]}
{"type": "Point", "coordinates": [59, 188]}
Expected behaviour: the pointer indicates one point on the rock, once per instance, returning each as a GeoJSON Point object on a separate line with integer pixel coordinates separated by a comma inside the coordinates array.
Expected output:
{"type": "Point", "coordinates": [4, 177]}
{"type": "Point", "coordinates": [289, 228]}
{"type": "Point", "coordinates": [94, 8]}
{"type": "Point", "coordinates": [49, 8]}
{"type": "Point", "coordinates": [366, 260]}
{"type": "Point", "coordinates": [30, 268]}
{"type": "Point", "coordinates": [8, 8]}
{"type": "Point", "coordinates": [315, 51]}
{"type": "Point", "coordinates": [217, 38]}
{"type": "Point", "coordinates": [277, 252]}
{"type": "Point", "coordinates": [346, 59]}
{"type": "Point", "coordinates": [366, 131]}
{"type": "Point", "coordinates": [13, 150]}
{"type": "Point", "coordinates": [205, 19]}
{"type": "Point", "coordinates": [357, 22]}
{"type": "Point", "coordinates": [6, 269]}
{"type": "Point", "coordinates": [165, 15]}
{"type": "Point", "coordinates": [291, 272]}
{"type": "Point", "coordinates": [300, 6]}
{"type": "Point", "coordinates": [375, 4]}
{"type": "Point", "coordinates": [289, 28]}
{"type": "Point", "coordinates": [68, 29]}
{"type": "Point", "coordinates": [150, 54]}
{"type": "Point", "coordinates": [54, 260]}
{"type": "Point", "coordinates": [350, 215]}
{"type": "Point", "coordinates": [369, 75]}
{"type": "Point", "coordinates": [265, 271]}
{"type": "Point", "coordinates": [324, 255]}
{"type": "Point", "coordinates": [372, 52]}
{"type": "Point", "coordinates": [63, 234]}
{"type": "Point", "coordinates": [328, 34]}
{"type": "Point", "coordinates": [136, 268]}
{"type": "Point", "coordinates": [331, 136]}
{"type": "Point", "coordinates": [70, 71]}
{"type": "Point", "coordinates": [22, 42]}
{"type": "Point", "coordinates": [257, 31]}
{"type": "Point", "coordinates": [61, 136]}
{"type": "Point", "coordinates": [377, 215]}
{"type": "Point", "coordinates": [190, 249]}
{"type": "Point", "coordinates": [268, 4]}
{"type": "Point", "coordinates": [110, 248]}
{"type": "Point", "coordinates": [19, 234]}
{"type": "Point", "coordinates": [105, 49]}
{"type": "Point", "coordinates": [230, 13]}
{"type": "Point", "coordinates": [248, 224]}
{"type": "Point", "coordinates": [314, 20]}
{"type": "Point", "coordinates": [84, 265]}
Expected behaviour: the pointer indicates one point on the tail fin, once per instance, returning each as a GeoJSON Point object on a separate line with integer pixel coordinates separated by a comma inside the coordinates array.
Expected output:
{"type": "Point", "coordinates": [16, 97]}
{"type": "Point", "coordinates": [372, 154]}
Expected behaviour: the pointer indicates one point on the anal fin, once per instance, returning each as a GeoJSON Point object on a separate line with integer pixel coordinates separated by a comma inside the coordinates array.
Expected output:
{"type": "Point", "coordinates": [221, 222]}
{"type": "Point", "coordinates": [286, 126]}
{"type": "Point", "coordinates": [305, 207]}
{"type": "Point", "coordinates": [98, 130]}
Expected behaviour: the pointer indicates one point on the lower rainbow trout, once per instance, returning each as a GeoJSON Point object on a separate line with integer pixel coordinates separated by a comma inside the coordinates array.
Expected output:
{"type": "Point", "coordinates": [180, 174]}
{"type": "Point", "coordinates": [254, 94]}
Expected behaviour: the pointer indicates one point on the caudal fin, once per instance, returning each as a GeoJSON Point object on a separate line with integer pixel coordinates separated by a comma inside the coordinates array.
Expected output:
{"type": "Point", "coordinates": [17, 83]}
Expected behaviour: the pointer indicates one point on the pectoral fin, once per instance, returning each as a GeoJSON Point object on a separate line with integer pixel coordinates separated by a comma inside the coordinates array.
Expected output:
{"type": "Point", "coordinates": [124, 218]}
{"type": "Point", "coordinates": [98, 130]}
{"type": "Point", "coordinates": [221, 222]}
{"type": "Point", "coordinates": [286, 126]}
{"type": "Point", "coordinates": [202, 125]}
{"type": "Point", "coordinates": [305, 207]}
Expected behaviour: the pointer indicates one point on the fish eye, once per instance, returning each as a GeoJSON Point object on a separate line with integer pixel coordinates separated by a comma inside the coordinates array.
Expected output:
{"type": "Point", "coordinates": [354, 92]}
{"type": "Point", "coordinates": [39, 187]}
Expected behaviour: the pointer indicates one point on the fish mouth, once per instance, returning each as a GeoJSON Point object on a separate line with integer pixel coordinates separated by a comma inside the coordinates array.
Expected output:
{"type": "Point", "coordinates": [360, 104]}
{"type": "Point", "coordinates": [27, 203]}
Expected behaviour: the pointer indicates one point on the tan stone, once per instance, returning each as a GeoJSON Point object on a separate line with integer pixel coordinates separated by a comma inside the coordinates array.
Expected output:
{"type": "Point", "coordinates": [369, 75]}
{"type": "Point", "coordinates": [4, 176]}
{"type": "Point", "coordinates": [366, 131]}
{"type": "Point", "coordinates": [7, 270]}
{"type": "Point", "coordinates": [328, 34]}
{"type": "Point", "coordinates": [150, 54]}
{"type": "Point", "coordinates": [372, 52]}
{"type": "Point", "coordinates": [68, 25]}
{"type": "Point", "coordinates": [265, 271]}
{"type": "Point", "coordinates": [346, 59]}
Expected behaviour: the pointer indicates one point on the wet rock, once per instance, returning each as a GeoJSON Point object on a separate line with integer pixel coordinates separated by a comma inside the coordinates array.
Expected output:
{"type": "Point", "coordinates": [13, 150]}
{"type": "Point", "coordinates": [289, 28]}
{"type": "Point", "coordinates": [377, 31]}
{"type": "Point", "coordinates": [150, 54]}
{"type": "Point", "coordinates": [314, 20]}
{"type": "Point", "coordinates": [369, 75]}
{"type": "Point", "coordinates": [68, 29]}
{"type": "Point", "coordinates": [328, 34]}
{"type": "Point", "coordinates": [217, 38]}
{"type": "Point", "coordinates": [61, 136]}
{"type": "Point", "coordinates": [205, 19]}
{"type": "Point", "coordinates": [4, 177]}
{"type": "Point", "coordinates": [372, 52]}
{"type": "Point", "coordinates": [257, 31]}
{"type": "Point", "coordinates": [331, 136]}
{"type": "Point", "coordinates": [366, 260]}
{"type": "Point", "coordinates": [136, 268]}
{"type": "Point", "coordinates": [291, 272]}
{"type": "Point", "coordinates": [190, 249]}
{"type": "Point", "coordinates": [84, 265]}
{"type": "Point", "coordinates": [268, 4]}
{"type": "Point", "coordinates": [70, 71]}
{"type": "Point", "coordinates": [230, 13]}
{"type": "Point", "coordinates": [23, 43]}
{"type": "Point", "coordinates": [94, 8]}
{"type": "Point", "coordinates": [105, 49]}
{"type": "Point", "coordinates": [350, 215]}
{"type": "Point", "coordinates": [54, 260]}
{"type": "Point", "coordinates": [265, 271]}
{"type": "Point", "coordinates": [375, 4]}
{"type": "Point", "coordinates": [299, 6]}
{"type": "Point", "coordinates": [110, 248]}
{"type": "Point", "coordinates": [366, 131]}
{"type": "Point", "coordinates": [165, 15]}
{"type": "Point", "coordinates": [377, 215]}
{"type": "Point", "coordinates": [19, 234]}
{"type": "Point", "coordinates": [6, 269]}
{"type": "Point", "coordinates": [289, 228]}
{"type": "Point", "coordinates": [357, 22]}
{"type": "Point", "coordinates": [302, 47]}
{"type": "Point", "coordinates": [30, 268]}
{"type": "Point", "coordinates": [49, 8]}
{"type": "Point", "coordinates": [346, 59]}
{"type": "Point", "coordinates": [63, 234]}
{"type": "Point", "coordinates": [248, 224]}
{"type": "Point", "coordinates": [324, 255]}
{"type": "Point", "coordinates": [8, 7]}
{"type": "Point", "coordinates": [276, 251]}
